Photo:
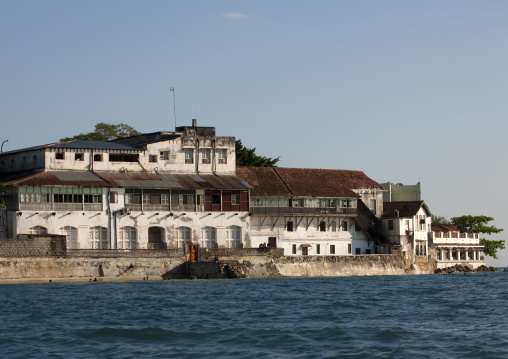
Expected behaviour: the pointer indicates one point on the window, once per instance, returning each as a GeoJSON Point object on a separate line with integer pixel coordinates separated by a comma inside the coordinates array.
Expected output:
{"type": "Point", "coordinates": [113, 197]}
{"type": "Point", "coordinates": [318, 248]}
{"type": "Point", "coordinates": [152, 158]}
{"type": "Point", "coordinates": [334, 226]}
{"type": "Point", "coordinates": [208, 236]}
{"type": "Point", "coordinates": [349, 248]}
{"type": "Point", "coordinates": [93, 198]}
{"type": "Point", "coordinates": [34, 160]}
{"type": "Point", "coordinates": [79, 157]}
{"type": "Point", "coordinates": [215, 198]}
{"type": "Point", "coordinates": [163, 155]}
{"type": "Point", "coordinates": [189, 155]}
{"type": "Point", "coordinates": [223, 155]}
{"type": "Point", "coordinates": [322, 227]}
{"type": "Point", "coordinates": [127, 238]}
{"type": "Point", "coordinates": [289, 226]}
{"type": "Point", "coordinates": [294, 249]}
{"type": "Point", "coordinates": [358, 251]}
{"type": "Point", "coordinates": [37, 230]}
{"type": "Point", "coordinates": [97, 238]}
{"type": "Point", "coordinates": [344, 225]}
{"type": "Point", "coordinates": [234, 237]}
{"type": "Point", "coordinates": [71, 234]}
{"type": "Point", "coordinates": [59, 155]}
{"type": "Point", "coordinates": [122, 157]}
{"type": "Point", "coordinates": [367, 251]}
{"type": "Point", "coordinates": [205, 156]}
{"type": "Point", "coordinates": [372, 206]}
{"type": "Point", "coordinates": [97, 157]}
{"type": "Point", "coordinates": [390, 224]}
{"type": "Point", "coordinates": [332, 249]}
{"type": "Point", "coordinates": [235, 199]}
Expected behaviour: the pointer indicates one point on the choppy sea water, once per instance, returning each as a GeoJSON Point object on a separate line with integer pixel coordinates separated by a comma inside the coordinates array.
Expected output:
{"type": "Point", "coordinates": [432, 316]}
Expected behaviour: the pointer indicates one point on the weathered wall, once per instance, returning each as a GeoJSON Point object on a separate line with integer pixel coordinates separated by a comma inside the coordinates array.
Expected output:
{"type": "Point", "coordinates": [85, 267]}
{"type": "Point", "coordinates": [36, 245]}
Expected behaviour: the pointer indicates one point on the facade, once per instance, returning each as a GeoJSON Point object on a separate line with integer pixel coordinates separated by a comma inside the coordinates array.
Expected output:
{"type": "Point", "coordinates": [313, 212]}
{"type": "Point", "coordinates": [408, 224]}
{"type": "Point", "coordinates": [453, 247]}
{"type": "Point", "coordinates": [401, 193]}
{"type": "Point", "coordinates": [153, 191]}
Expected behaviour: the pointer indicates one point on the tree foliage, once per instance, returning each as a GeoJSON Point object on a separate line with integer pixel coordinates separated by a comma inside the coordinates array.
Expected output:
{"type": "Point", "coordinates": [478, 224]}
{"type": "Point", "coordinates": [105, 132]}
{"type": "Point", "coordinates": [439, 219]}
{"type": "Point", "coordinates": [247, 157]}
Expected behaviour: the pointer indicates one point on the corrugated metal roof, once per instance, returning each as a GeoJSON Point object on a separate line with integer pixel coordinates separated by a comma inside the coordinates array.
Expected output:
{"type": "Point", "coordinates": [98, 145]}
{"type": "Point", "coordinates": [76, 176]}
{"type": "Point", "coordinates": [131, 180]}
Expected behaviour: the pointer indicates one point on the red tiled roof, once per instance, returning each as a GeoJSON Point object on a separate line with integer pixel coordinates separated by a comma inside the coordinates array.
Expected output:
{"type": "Point", "coordinates": [308, 182]}
{"type": "Point", "coordinates": [440, 227]}
{"type": "Point", "coordinates": [406, 209]}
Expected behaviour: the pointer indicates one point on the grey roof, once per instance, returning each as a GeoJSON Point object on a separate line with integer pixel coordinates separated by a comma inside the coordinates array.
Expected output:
{"type": "Point", "coordinates": [98, 145]}
{"type": "Point", "coordinates": [76, 176]}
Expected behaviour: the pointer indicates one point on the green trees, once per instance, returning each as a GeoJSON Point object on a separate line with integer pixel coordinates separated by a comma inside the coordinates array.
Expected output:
{"type": "Point", "coordinates": [105, 132]}
{"type": "Point", "coordinates": [478, 224]}
{"type": "Point", "coordinates": [247, 157]}
{"type": "Point", "coordinates": [439, 219]}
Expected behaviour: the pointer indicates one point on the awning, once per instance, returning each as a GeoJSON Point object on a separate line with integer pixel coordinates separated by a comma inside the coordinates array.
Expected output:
{"type": "Point", "coordinates": [306, 245]}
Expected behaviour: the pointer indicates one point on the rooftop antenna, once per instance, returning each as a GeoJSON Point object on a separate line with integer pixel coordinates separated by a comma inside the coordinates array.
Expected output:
{"type": "Point", "coordinates": [172, 89]}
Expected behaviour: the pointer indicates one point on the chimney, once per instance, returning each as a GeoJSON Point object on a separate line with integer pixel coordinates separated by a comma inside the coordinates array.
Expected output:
{"type": "Point", "coordinates": [194, 122]}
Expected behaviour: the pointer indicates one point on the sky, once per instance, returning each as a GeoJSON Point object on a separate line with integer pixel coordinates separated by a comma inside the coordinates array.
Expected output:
{"type": "Point", "coordinates": [405, 91]}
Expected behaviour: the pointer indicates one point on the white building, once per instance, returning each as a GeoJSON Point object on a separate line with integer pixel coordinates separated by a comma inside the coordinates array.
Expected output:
{"type": "Point", "coordinates": [408, 224]}
{"type": "Point", "coordinates": [157, 190]}
{"type": "Point", "coordinates": [312, 211]}
{"type": "Point", "coordinates": [453, 247]}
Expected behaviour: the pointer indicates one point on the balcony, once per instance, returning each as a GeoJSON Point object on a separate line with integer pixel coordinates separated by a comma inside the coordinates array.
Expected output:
{"type": "Point", "coordinates": [302, 211]}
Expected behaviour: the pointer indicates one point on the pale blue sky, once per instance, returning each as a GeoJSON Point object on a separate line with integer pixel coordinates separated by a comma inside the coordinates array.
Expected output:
{"type": "Point", "coordinates": [405, 91]}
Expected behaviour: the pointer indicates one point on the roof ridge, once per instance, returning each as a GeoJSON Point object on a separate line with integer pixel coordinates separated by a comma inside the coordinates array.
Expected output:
{"type": "Point", "coordinates": [283, 181]}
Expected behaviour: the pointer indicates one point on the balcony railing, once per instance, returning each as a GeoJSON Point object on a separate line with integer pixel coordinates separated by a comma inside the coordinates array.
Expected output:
{"type": "Point", "coordinates": [51, 206]}
{"type": "Point", "coordinates": [302, 211]}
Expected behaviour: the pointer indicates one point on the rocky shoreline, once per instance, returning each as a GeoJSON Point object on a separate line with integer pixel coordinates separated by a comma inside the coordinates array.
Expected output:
{"type": "Point", "coordinates": [462, 268]}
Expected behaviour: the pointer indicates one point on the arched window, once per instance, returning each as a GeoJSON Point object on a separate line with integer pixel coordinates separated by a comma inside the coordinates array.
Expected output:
{"type": "Point", "coordinates": [127, 238]}
{"type": "Point", "coordinates": [34, 160]}
{"type": "Point", "coordinates": [183, 236]}
{"type": "Point", "coordinates": [209, 237]}
{"type": "Point", "coordinates": [234, 237]}
{"type": "Point", "coordinates": [38, 230]}
{"type": "Point", "coordinates": [97, 238]}
{"type": "Point", "coordinates": [72, 236]}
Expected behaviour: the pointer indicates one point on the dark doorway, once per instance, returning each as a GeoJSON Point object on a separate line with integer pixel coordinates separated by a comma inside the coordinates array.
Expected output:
{"type": "Point", "coordinates": [192, 252]}
{"type": "Point", "coordinates": [155, 240]}
{"type": "Point", "coordinates": [272, 241]}
{"type": "Point", "coordinates": [305, 251]}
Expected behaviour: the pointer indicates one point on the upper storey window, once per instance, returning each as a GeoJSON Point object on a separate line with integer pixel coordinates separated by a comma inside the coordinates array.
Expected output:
{"type": "Point", "coordinates": [223, 155]}
{"type": "Point", "coordinates": [205, 156]}
{"type": "Point", "coordinates": [164, 155]}
{"type": "Point", "coordinates": [97, 157]}
{"type": "Point", "coordinates": [122, 157]}
{"type": "Point", "coordinates": [189, 155]}
{"type": "Point", "coordinates": [59, 155]}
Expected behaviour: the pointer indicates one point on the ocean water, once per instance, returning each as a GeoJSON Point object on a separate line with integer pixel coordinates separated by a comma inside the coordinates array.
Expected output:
{"type": "Point", "coordinates": [427, 316]}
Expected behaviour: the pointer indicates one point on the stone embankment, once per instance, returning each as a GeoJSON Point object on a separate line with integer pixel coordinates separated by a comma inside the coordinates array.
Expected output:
{"type": "Point", "coordinates": [47, 258]}
{"type": "Point", "coordinates": [463, 268]}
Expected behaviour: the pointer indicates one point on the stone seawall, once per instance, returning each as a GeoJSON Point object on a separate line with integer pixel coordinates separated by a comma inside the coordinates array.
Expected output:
{"type": "Point", "coordinates": [46, 257]}
{"type": "Point", "coordinates": [86, 267]}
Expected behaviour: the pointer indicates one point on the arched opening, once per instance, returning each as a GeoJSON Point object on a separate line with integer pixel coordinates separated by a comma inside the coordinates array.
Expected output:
{"type": "Point", "coordinates": [38, 230]}
{"type": "Point", "coordinates": [234, 237]}
{"type": "Point", "coordinates": [155, 238]}
{"type": "Point", "coordinates": [127, 238]}
{"type": "Point", "coordinates": [183, 236]}
{"type": "Point", "coordinates": [97, 238]}
{"type": "Point", "coordinates": [71, 233]}
{"type": "Point", "coordinates": [209, 237]}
